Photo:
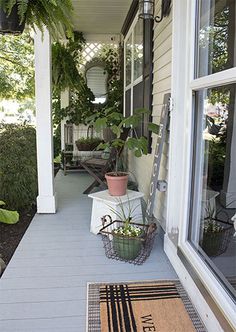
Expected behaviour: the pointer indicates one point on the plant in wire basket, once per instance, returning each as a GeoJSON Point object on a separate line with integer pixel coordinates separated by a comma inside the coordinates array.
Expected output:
{"type": "Point", "coordinates": [215, 232]}
{"type": "Point", "coordinates": [127, 235]}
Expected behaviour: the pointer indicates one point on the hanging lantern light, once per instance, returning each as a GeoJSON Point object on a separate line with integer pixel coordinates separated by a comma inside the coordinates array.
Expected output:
{"type": "Point", "coordinates": [146, 9]}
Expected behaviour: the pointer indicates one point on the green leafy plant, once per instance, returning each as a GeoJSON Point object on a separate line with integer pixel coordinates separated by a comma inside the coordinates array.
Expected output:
{"type": "Point", "coordinates": [118, 123]}
{"type": "Point", "coordinates": [66, 61]}
{"type": "Point", "coordinates": [55, 15]}
{"type": "Point", "coordinates": [111, 56]}
{"type": "Point", "coordinates": [127, 237]}
{"type": "Point", "coordinates": [126, 216]}
{"type": "Point", "coordinates": [8, 217]}
{"type": "Point", "coordinates": [18, 166]}
{"type": "Point", "coordinates": [66, 58]}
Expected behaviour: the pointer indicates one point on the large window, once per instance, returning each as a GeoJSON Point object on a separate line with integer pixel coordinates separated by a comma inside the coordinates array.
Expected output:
{"type": "Point", "coordinates": [138, 71]}
{"type": "Point", "coordinates": [133, 66]}
{"type": "Point", "coordinates": [213, 192]}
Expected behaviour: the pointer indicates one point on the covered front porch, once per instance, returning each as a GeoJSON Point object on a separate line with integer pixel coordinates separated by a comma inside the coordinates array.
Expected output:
{"type": "Point", "coordinates": [45, 285]}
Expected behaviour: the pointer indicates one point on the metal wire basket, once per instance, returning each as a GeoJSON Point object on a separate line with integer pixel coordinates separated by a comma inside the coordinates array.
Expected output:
{"type": "Point", "coordinates": [216, 243]}
{"type": "Point", "coordinates": [132, 249]}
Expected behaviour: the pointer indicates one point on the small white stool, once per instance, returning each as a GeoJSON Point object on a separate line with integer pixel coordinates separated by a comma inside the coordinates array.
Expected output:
{"type": "Point", "coordinates": [103, 202]}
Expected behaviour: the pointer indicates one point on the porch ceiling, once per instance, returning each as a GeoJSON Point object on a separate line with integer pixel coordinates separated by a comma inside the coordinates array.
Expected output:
{"type": "Point", "coordinates": [100, 16]}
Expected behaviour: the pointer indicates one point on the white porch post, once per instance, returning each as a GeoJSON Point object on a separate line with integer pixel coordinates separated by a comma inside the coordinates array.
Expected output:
{"type": "Point", "coordinates": [46, 202]}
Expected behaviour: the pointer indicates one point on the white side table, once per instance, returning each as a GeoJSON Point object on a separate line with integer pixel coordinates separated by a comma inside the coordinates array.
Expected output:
{"type": "Point", "coordinates": [103, 202]}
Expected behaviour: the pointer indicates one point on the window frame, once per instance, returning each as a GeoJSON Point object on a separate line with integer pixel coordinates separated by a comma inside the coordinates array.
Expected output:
{"type": "Point", "coordinates": [184, 84]}
{"type": "Point", "coordinates": [138, 79]}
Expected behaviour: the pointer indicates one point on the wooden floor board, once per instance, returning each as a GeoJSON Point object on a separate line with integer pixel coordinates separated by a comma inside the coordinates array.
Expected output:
{"type": "Point", "coordinates": [44, 286]}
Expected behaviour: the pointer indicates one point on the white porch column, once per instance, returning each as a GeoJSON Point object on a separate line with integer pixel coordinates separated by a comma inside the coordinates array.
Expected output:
{"type": "Point", "coordinates": [46, 202]}
{"type": "Point", "coordinates": [65, 97]}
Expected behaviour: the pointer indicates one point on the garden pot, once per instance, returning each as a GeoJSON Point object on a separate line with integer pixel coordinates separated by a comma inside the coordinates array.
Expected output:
{"type": "Point", "coordinates": [117, 183]}
{"type": "Point", "coordinates": [127, 248]}
{"type": "Point", "coordinates": [216, 243]}
{"type": "Point", "coordinates": [11, 24]}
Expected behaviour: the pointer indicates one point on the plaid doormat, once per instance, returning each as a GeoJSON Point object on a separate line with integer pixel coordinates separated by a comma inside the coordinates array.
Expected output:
{"type": "Point", "coordinates": [141, 306]}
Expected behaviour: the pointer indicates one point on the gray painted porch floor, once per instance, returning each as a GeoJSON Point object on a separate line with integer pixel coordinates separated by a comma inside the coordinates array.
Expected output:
{"type": "Point", "coordinates": [44, 286]}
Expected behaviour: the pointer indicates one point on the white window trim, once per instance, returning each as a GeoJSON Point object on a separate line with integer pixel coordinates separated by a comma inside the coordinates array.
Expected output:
{"type": "Point", "coordinates": [180, 159]}
{"type": "Point", "coordinates": [222, 78]}
{"type": "Point", "coordinates": [137, 80]}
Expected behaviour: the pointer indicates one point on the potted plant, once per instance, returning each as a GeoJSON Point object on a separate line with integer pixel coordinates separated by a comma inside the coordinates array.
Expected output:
{"type": "Point", "coordinates": [127, 236]}
{"type": "Point", "coordinates": [120, 126]}
{"type": "Point", "coordinates": [216, 233]}
{"type": "Point", "coordinates": [10, 20]}
{"type": "Point", "coordinates": [88, 143]}
{"type": "Point", "coordinates": [125, 239]}
{"type": "Point", "coordinates": [55, 15]}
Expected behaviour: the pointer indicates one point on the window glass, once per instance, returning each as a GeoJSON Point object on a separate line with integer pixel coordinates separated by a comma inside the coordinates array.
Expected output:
{"type": "Point", "coordinates": [138, 49]}
{"type": "Point", "coordinates": [213, 209]}
{"type": "Point", "coordinates": [215, 36]}
{"type": "Point", "coordinates": [128, 60]}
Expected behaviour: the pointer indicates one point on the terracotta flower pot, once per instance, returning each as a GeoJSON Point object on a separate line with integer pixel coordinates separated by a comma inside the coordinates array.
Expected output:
{"type": "Point", "coordinates": [117, 183]}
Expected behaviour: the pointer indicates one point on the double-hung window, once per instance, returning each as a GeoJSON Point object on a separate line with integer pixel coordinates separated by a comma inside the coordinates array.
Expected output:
{"type": "Point", "coordinates": [202, 165]}
{"type": "Point", "coordinates": [138, 70]}
{"type": "Point", "coordinates": [213, 192]}
{"type": "Point", "coordinates": [133, 74]}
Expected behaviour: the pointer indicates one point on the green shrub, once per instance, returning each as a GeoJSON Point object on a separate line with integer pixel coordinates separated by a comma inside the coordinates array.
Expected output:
{"type": "Point", "coordinates": [18, 166]}
{"type": "Point", "coordinates": [57, 141]}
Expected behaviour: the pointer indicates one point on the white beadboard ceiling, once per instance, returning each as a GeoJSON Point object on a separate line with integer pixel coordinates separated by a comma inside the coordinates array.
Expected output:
{"type": "Point", "coordinates": [100, 16]}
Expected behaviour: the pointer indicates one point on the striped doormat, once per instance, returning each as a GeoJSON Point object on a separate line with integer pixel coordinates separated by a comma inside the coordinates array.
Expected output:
{"type": "Point", "coordinates": [161, 306]}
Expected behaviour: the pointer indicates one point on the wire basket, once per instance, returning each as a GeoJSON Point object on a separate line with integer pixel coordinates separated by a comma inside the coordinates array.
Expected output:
{"type": "Point", "coordinates": [216, 243]}
{"type": "Point", "coordinates": [132, 249]}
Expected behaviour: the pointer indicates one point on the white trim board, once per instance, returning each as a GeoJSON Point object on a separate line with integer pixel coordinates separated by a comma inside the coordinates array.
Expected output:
{"type": "Point", "coordinates": [180, 155]}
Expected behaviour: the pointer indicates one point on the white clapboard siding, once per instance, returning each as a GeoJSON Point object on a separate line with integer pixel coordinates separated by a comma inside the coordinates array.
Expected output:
{"type": "Point", "coordinates": [162, 54]}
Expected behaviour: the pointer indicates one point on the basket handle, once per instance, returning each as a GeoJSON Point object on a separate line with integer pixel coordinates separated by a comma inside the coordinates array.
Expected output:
{"type": "Point", "coordinates": [104, 219]}
{"type": "Point", "coordinates": [152, 228]}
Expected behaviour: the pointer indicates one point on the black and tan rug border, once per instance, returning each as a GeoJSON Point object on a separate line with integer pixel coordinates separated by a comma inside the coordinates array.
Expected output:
{"type": "Point", "coordinates": [93, 323]}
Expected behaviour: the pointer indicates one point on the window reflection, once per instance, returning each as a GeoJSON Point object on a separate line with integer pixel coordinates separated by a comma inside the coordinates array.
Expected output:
{"type": "Point", "coordinates": [138, 49]}
{"type": "Point", "coordinates": [128, 60]}
{"type": "Point", "coordinates": [216, 36]}
{"type": "Point", "coordinates": [214, 181]}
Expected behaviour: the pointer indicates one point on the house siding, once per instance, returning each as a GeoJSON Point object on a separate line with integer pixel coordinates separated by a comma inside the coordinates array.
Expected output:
{"type": "Point", "coordinates": [142, 167]}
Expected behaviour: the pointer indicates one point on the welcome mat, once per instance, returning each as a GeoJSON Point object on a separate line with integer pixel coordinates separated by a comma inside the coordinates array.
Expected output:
{"type": "Point", "coordinates": [161, 306]}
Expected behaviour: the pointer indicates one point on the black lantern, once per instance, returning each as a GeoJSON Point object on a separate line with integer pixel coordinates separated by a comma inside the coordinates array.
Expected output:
{"type": "Point", "coordinates": [146, 9]}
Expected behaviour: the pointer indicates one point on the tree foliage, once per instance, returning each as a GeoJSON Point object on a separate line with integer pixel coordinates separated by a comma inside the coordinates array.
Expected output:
{"type": "Point", "coordinates": [218, 38]}
{"type": "Point", "coordinates": [16, 67]}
